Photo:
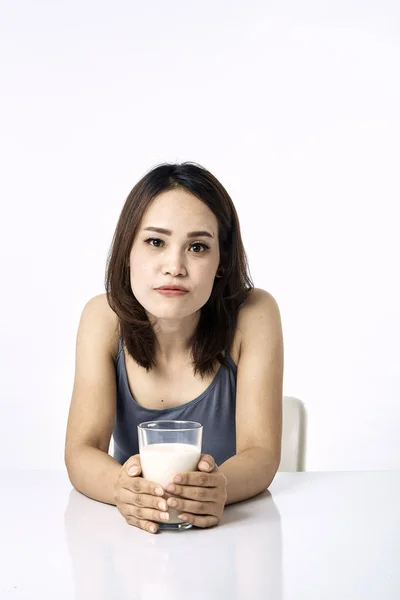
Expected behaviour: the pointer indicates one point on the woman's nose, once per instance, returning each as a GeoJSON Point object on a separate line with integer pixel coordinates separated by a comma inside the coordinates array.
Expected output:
{"type": "Point", "coordinates": [174, 265]}
{"type": "Point", "coordinates": [174, 272]}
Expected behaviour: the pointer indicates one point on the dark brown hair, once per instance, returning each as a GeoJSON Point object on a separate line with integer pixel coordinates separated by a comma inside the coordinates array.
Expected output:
{"type": "Point", "coordinates": [216, 328]}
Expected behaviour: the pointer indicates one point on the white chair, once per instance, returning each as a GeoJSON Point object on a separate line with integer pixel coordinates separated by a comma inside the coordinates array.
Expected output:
{"type": "Point", "coordinates": [293, 435]}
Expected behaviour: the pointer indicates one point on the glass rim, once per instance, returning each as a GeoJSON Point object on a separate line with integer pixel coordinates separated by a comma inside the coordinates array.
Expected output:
{"type": "Point", "coordinates": [145, 425]}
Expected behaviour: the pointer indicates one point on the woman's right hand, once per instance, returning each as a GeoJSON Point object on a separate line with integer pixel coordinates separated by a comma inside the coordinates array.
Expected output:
{"type": "Point", "coordinates": [139, 501]}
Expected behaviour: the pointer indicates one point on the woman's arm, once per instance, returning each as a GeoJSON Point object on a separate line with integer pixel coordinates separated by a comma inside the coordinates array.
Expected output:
{"type": "Point", "coordinates": [248, 473]}
{"type": "Point", "coordinates": [258, 399]}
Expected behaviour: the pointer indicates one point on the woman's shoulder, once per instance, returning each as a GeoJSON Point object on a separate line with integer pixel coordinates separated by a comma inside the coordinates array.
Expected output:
{"type": "Point", "coordinates": [108, 320]}
{"type": "Point", "coordinates": [258, 299]}
{"type": "Point", "coordinates": [259, 304]}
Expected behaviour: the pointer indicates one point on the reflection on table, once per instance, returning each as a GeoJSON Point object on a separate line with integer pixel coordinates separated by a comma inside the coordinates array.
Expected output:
{"type": "Point", "coordinates": [111, 559]}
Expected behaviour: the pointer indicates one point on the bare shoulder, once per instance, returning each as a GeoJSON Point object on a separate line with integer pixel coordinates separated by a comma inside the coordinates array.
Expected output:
{"type": "Point", "coordinates": [258, 297]}
{"type": "Point", "coordinates": [100, 311]}
{"type": "Point", "coordinates": [259, 309]}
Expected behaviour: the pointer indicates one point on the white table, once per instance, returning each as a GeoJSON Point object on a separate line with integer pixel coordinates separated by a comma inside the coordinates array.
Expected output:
{"type": "Point", "coordinates": [314, 535]}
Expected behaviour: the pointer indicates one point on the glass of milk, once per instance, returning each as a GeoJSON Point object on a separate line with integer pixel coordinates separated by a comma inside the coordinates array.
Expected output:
{"type": "Point", "coordinates": [167, 448]}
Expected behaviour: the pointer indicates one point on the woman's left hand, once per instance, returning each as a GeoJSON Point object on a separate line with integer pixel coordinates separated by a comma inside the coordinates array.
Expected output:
{"type": "Point", "coordinates": [200, 496]}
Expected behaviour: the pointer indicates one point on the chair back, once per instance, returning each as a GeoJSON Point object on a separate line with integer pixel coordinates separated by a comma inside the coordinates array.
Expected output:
{"type": "Point", "coordinates": [293, 435]}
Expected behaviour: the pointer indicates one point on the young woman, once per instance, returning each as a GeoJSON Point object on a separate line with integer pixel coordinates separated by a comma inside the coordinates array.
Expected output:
{"type": "Point", "coordinates": [211, 352]}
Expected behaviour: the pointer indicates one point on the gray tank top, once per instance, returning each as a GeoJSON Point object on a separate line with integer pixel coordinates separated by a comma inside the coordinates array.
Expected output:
{"type": "Point", "coordinates": [215, 409]}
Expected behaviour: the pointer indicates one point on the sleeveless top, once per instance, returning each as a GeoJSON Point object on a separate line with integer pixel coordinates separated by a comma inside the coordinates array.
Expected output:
{"type": "Point", "coordinates": [215, 409]}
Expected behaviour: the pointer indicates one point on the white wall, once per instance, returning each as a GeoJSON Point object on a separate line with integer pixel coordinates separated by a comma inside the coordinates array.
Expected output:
{"type": "Point", "coordinates": [294, 106]}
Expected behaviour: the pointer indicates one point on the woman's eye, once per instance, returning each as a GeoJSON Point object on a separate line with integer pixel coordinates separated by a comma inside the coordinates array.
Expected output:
{"type": "Point", "coordinates": [203, 246]}
{"type": "Point", "coordinates": [154, 240]}
{"type": "Point", "coordinates": [156, 243]}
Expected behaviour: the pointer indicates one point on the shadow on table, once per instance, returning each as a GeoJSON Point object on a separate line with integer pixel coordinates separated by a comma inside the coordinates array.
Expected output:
{"type": "Point", "coordinates": [239, 559]}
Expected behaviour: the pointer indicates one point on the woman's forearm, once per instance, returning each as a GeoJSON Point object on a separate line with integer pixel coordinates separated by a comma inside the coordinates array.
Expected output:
{"type": "Point", "coordinates": [248, 473]}
{"type": "Point", "coordinates": [93, 472]}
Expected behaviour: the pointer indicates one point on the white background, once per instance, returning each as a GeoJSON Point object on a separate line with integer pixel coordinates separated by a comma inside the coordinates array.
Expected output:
{"type": "Point", "coordinates": [293, 106]}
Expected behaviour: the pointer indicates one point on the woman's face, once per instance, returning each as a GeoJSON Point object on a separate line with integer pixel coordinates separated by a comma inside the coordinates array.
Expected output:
{"type": "Point", "coordinates": [175, 256]}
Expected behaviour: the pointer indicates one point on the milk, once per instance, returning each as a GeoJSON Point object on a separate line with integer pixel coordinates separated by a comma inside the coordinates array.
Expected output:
{"type": "Point", "coordinates": [161, 462]}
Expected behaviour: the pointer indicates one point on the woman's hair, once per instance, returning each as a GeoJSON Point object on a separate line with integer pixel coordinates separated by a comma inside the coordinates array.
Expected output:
{"type": "Point", "coordinates": [216, 328]}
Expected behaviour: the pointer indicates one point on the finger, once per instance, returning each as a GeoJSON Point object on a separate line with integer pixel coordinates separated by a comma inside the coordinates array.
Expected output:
{"type": "Point", "coordinates": [206, 494]}
{"type": "Point", "coordinates": [146, 525]}
{"type": "Point", "coordinates": [198, 520]}
{"type": "Point", "coordinates": [127, 500]}
{"type": "Point", "coordinates": [206, 463]}
{"type": "Point", "coordinates": [192, 506]}
{"type": "Point", "coordinates": [133, 466]}
{"type": "Point", "coordinates": [148, 501]}
{"type": "Point", "coordinates": [146, 514]}
{"type": "Point", "coordinates": [197, 478]}
{"type": "Point", "coordinates": [142, 486]}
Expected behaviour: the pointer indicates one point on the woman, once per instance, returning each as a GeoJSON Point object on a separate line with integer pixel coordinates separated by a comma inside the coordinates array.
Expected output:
{"type": "Point", "coordinates": [211, 353]}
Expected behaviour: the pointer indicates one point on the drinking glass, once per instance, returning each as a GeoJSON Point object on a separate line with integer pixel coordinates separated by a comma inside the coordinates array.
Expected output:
{"type": "Point", "coordinates": [167, 448]}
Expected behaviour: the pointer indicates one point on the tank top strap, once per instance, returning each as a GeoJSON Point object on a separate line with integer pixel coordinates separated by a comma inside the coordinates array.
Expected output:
{"type": "Point", "coordinates": [230, 361]}
{"type": "Point", "coordinates": [119, 344]}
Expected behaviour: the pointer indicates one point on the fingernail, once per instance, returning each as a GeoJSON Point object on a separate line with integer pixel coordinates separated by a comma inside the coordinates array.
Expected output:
{"type": "Point", "coordinates": [178, 479]}
{"type": "Point", "coordinates": [152, 528]}
{"type": "Point", "coordinates": [159, 491]}
{"type": "Point", "coordinates": [182, 517]}
{"type": "Point", "coordinates": [133, 471]}
{"type": "Point", "coordinates": [170, 488]}
{"type": "Point", "coordinates": [204, 465]}
{"type": "Point", "coordinates": [162, 505]}
{"type": "Point", "coordinates": [172, 502]}
{"type": "Point", "coordinates": [164, 516]}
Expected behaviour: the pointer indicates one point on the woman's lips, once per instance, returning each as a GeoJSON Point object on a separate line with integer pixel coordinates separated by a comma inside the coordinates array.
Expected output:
{"type": "Point", "coordinates": [171, 292]}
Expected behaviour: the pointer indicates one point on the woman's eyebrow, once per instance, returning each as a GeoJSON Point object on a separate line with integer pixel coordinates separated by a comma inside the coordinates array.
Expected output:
{"type": "Point", "coordinates": [169, 232]}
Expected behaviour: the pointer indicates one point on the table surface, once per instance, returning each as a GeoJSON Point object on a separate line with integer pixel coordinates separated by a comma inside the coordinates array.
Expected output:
{"type": "Point", "coordinates": [325, 535]}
